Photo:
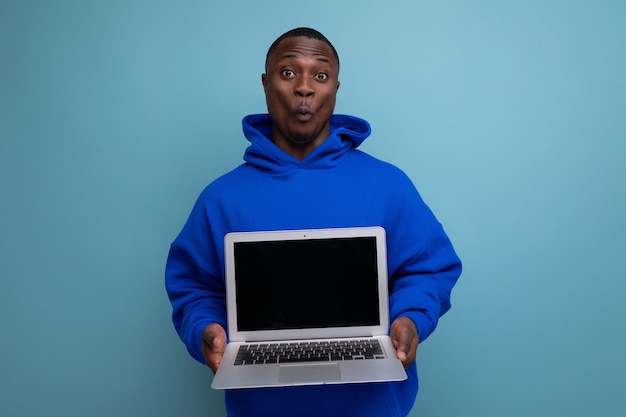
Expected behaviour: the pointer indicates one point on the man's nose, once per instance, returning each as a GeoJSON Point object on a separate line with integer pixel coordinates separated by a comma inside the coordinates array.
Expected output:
{"type": "Point", "coordinates": [304, 87]}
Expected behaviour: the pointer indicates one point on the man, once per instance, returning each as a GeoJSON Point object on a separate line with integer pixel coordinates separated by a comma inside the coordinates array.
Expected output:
{"type": "Point", "coordinates": [303, 170]}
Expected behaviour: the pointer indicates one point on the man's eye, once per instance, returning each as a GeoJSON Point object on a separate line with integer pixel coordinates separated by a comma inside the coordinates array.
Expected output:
{"type": "Point", "coordinates": [322, 76]}
{"type": "Point", "coordinates": [288, 73]}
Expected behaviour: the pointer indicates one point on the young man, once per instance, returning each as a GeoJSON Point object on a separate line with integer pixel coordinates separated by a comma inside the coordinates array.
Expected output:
{"type": "Point", "coordinates": [303, 171]}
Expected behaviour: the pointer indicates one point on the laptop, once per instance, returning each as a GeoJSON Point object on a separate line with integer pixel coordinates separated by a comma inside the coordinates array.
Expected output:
{"type": "Point", "coordinates": [307, 307]}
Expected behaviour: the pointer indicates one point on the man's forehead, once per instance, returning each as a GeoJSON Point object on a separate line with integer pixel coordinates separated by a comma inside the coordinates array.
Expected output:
{"type": "Point", "coordinates": [296, 46]}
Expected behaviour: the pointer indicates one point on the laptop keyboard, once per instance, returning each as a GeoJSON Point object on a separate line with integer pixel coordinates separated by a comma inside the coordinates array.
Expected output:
{"type": "Point", "coordinates": [318, 351]}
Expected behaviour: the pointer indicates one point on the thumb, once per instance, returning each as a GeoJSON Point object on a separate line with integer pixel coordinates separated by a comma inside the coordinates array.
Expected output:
{"type": "Point", "coordinates": [401, 343]}
{"type": "Point", "coordinates": [404, 337]}
{"type": "Point", "coordinates": [215, 338]}
{"type": "Point", "coordinates": [217, 343]}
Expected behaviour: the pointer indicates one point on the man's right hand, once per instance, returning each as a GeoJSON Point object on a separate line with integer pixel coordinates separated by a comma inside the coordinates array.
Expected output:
{"type": "Point", "coordinates": [213, 345]}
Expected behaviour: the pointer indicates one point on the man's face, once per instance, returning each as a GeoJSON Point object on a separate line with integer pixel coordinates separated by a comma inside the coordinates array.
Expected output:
{"type": "Point", "coordinates": [300, 89]}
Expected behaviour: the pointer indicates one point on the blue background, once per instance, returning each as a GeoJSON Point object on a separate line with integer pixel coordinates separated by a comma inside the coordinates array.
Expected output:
{"type": "Point", "coordinates": [509, 116]}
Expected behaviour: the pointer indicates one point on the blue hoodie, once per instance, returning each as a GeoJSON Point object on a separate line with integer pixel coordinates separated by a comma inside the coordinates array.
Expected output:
{"type": "Point", "coordinates": [336, 185]}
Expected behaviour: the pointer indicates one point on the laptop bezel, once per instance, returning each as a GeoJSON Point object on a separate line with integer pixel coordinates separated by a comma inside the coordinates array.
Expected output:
{"type": "Point", "coordinates": [310, 333]}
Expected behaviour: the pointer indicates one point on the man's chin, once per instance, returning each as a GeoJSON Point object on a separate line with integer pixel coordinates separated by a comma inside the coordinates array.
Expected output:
{"type": "Point", "coordinates": [301, 140]}
{"type": "Point", "coordinates": [302, 137]}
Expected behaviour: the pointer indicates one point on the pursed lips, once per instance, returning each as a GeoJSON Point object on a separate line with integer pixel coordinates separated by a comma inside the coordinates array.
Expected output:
{"type": "Point", "coordinates": [303, 113]}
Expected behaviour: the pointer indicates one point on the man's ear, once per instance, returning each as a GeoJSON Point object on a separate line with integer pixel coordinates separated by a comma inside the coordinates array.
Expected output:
{"type": "Point", "coordinates": [338, 83]}
{"type": "Point", "coordinates": [264, 81]}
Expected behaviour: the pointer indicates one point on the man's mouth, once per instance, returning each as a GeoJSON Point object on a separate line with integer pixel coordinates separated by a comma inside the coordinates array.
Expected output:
{"type": "Point", "coordinates": [304, 114]}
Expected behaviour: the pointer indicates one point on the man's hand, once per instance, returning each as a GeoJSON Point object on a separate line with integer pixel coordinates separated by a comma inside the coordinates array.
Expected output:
{"type": "Point", "coordinates": [404, 338]}
{"type": "Point", "coordinates": [213, 345]}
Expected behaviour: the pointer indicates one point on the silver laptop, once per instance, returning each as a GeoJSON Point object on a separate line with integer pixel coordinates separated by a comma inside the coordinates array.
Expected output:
{"type": "Point", "coordinates": [307, 307]}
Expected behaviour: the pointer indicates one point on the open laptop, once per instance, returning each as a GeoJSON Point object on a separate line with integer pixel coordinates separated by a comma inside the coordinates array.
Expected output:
{"type": "Point", "coordinates": [307, 307]}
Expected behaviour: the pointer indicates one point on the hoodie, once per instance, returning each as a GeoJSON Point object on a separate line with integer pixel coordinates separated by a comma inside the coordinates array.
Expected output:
{"type": "Point", "coordinates": [336, 185]}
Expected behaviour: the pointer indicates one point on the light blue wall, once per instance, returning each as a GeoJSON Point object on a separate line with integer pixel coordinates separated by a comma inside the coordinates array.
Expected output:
{"type": "Point", "coordinates": [510, 116]}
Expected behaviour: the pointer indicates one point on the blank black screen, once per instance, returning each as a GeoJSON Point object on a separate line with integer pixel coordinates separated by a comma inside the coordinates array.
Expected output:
{"type": "Point", "coordinates": [313, 283]}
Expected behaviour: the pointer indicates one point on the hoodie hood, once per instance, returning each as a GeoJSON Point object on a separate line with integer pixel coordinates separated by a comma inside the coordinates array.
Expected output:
{"type": "Point", "coordinates": [346, 133]}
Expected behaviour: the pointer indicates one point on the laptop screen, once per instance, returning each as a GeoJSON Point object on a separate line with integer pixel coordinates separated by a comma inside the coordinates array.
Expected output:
{"type": "Point", "coordinates": [313, 283]}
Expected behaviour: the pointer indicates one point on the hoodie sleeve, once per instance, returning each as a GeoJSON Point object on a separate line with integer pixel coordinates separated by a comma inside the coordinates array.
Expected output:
{"type": "Point", "coordinates": [423, 265]}
{"type": "Point", "coordinates": [194, 281]}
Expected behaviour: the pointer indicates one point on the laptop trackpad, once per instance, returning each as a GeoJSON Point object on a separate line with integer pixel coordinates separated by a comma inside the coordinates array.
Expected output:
{"type": "Point", "coordinates": [309, 373]}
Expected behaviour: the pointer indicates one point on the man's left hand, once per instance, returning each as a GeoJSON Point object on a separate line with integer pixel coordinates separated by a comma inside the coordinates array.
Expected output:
{"type": "Point", "coordinates": [404, 338]}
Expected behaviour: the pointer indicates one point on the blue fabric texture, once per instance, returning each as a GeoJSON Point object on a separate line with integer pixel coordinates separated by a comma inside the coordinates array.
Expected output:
{"type": "Point", "coordinates": [336, 185]}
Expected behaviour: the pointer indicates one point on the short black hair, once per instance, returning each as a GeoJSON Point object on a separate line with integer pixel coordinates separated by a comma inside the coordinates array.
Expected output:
{"type": "Point", "coordinates": [301, 31]}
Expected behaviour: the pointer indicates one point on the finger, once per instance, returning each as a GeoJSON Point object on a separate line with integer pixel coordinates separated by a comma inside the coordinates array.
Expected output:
{"type": "Point", "coordinates": [404, 337]}
{"type": "Point", "coordinates": [214, 336]}
{"type": "Point", "coordinates": [401, 336]}
{"type": "Point", "coordinates": [213, 359]}
{"type": "Point", "coordinates": [213, 345]}
{"type": "Point", "coordinates": [403, 344]}
{"type": "Point", "coordinates": [217, 344]}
